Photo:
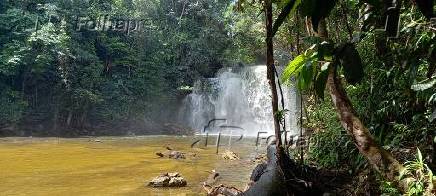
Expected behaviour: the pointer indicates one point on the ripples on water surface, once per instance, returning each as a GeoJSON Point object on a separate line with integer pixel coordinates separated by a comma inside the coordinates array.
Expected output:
{"type": "Point", "coordinates": [114, 166]}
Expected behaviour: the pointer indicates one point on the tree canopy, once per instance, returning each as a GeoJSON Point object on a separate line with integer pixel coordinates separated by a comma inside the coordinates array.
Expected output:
{"type": "Point", "coordinates": [54, 76]}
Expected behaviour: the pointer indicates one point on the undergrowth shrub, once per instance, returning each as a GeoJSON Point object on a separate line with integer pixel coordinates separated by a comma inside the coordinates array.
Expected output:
{"type": "Point", "coordinates": [330, 146]}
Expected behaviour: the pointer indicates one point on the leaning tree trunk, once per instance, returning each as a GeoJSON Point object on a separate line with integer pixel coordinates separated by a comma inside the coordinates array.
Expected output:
{"type": "Point", "coordinates": [380, 159]}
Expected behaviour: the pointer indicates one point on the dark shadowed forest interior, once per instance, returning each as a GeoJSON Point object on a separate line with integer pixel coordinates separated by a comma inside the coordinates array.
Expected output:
{"type": "Point", "coordinates": [98, 97]}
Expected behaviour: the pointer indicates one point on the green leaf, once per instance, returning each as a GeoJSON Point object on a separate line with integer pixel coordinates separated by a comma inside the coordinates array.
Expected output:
{"type": "Point", "coordinates": [307, 73]}
{"type": "Point", "coordinates": [293, 68]}
{"type": "Point", "coordinates": [281, 114]}
{"type": "Point", "coordinates": [321, 80]}
{"type": "Point", "coordinates": [351, 63]}
{"type": "Point", "coordinates": [289, 7]}
{"type": "Point", "coordinates": [424, 85]}
{"type": "Point", "coordinates": [300, 83]}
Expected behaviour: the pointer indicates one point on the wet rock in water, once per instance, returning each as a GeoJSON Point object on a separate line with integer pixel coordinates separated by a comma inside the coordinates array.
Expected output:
{"type": "Point", "coordinates": [176, 155]}
{"type": "Point", "coordinates": [168, 148]}
{"type": "Point", "coordinates": [168, 180]}
{"type": "Point", "coordinates": [174, 174]}
{"type": "Point", "coordinates": [160, 154]}
{"type": "Point", "coordinates": [172, 154]}
{"type": "Point", "coordinates": [229, 155]}
{"type": "Point", "coordinates": [160, 181]}
{"type": "Point", "coordinates": [177, 182]}
{"type": "Point", "coordinates": [222, 190]}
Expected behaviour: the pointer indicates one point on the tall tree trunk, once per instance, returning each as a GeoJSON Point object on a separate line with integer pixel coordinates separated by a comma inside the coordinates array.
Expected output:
{"type": "Point", "coordinates": [55, 117]}
{"type": "Point", "coordinates": [380, 159]}
{"type": "Point", "coordinates": [69, 118]}
{"type": "Point", "coordinates": [270, 71]}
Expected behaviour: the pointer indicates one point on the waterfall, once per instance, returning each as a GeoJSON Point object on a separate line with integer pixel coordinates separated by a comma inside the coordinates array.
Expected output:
{"type": "Point", "coordinates": [242, 96]}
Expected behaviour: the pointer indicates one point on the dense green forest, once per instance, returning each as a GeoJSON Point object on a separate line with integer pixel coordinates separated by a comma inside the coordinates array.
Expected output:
{"type": "Point", "coordinates": [60, 77]}
{"type": "Point", "coordinates": [366, 70]}
{"type": "Point", "coordinates": [376, 61]}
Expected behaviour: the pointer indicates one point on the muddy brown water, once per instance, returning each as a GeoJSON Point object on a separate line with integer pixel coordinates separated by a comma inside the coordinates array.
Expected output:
{"type": "Point", "coordinates": [115, 165]}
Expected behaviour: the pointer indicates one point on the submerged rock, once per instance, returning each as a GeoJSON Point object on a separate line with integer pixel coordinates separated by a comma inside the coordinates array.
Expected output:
{"type": "Point", "coordinates": [168, 148]}
{"type": "Point", "coordinates": [176, 155]}
{"type": "Point", "coordinates": [160, 154]}
{"type": "Point", "coordinates": [168, 180]}
{"type": "Point", "coordinates": [222, 190]}
{"type": "Point", "coordinates": [229, 155]}
{"type": "Point", "coordinates": [172, 154]}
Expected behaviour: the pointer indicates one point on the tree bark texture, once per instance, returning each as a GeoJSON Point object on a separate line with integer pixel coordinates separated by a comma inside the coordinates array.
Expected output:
{"type": "Point", "coordinates": [380, 159]}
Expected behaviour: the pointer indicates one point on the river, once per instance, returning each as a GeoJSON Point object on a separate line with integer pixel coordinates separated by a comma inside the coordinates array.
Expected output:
{"type": "Point", "coordinates": [115, 165]}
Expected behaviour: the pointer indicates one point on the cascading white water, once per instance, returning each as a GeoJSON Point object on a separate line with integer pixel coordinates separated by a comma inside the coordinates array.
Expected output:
{"type": "Point", "coordinates": [242, 96]}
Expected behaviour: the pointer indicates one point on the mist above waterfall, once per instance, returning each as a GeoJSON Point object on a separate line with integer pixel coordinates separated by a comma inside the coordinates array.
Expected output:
{"type": "Point", "coordinates": [241, 95]}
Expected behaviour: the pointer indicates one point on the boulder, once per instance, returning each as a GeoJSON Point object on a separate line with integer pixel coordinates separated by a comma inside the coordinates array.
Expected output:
{"type": "Point", "coordinates": [168, 180]}
{"type": "Point", "coordinates": [177, 182]}
{"type": "Point", "coordinates": [160, 181]}
{"type": "Point", "coordinates": [229, 155]}
{"type": "Point", "coordinates": [176, 155]}
{"type": "Point", "coordinates": [174, 174]}
{"type": "Point", "coordinates": [222, 190]}
{"type": "Point", "coordinates": [172, 154]}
